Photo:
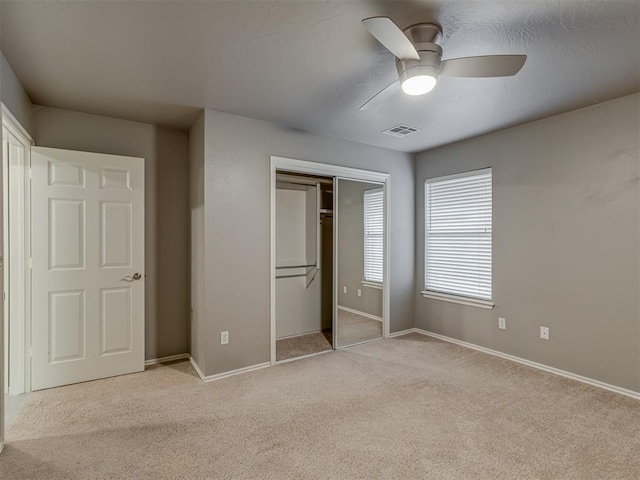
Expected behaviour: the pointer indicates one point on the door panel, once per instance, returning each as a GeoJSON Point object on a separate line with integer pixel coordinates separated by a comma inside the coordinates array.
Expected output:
{"type": "Point", "coordinates": [67, 326]}
{"type": "Point", "coordinates": [87, 306]}
{"type": "Point", "coordinates": [115, 234]}
{"type": "Point", "coordinates": [116, 320]}
{"type": "Point", "coordinates": [65, 174]}
{"type": "Point", "coordinates": [66, 234]}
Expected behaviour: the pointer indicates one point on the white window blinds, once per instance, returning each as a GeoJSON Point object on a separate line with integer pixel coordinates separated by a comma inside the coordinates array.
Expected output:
{"type": "Point", "coordinates": [373, 235]}
{"type": "Point", "coordinates": [458, 234]}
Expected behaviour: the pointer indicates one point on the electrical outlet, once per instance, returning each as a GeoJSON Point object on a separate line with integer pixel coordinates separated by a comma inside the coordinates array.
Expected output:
{"type": "Point", "coordinates": [502, 323]}
{"type": "Point", "coordinates": [224, 338]}
{"type": "Point", "coordinates": [544, 333]}
{"type": "Point", "coordinates": [344, 289]}
{"type": "Point", "coordinates": [359, 292]}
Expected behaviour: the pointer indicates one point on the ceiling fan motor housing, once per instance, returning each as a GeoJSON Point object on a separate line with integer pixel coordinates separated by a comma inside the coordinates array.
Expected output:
{"type": "Point", "coordinates": [429, 64]}
{"type": "Point", "coordinates": [423, 36]}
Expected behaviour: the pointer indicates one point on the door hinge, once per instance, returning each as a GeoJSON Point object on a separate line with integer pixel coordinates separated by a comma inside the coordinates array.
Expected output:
{"type": "Point", "coordinates": [30, 263]}
{"type": "Point", "coordinates": [29, 172]}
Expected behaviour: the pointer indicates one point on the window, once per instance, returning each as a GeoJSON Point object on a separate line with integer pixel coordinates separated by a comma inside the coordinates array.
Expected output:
{"type": "Point", "coordinates": [458, 235]}
{"type": "Point", "coordinates": [373, 235]}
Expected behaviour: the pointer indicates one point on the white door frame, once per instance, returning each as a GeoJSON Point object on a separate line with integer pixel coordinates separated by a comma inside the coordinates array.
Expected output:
{"type": "Point", "coordinates": [12, 125]}
{"type": "Point", "coordinates": [19, 346]}
{"type": "Point", "coordinates": [315, 168]}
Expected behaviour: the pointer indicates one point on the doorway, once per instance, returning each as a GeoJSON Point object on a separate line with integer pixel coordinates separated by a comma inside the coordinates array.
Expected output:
{"type": "Point", "coordinates": [77, 281]}
{"type": "Point", "coordinates": [316, 207]}
{"type": "Point", "coordinates": [304, 265]}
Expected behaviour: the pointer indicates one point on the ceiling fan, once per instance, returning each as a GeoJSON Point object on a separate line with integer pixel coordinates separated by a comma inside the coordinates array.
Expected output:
{"type": "Point", "coordinates": [419, 59]}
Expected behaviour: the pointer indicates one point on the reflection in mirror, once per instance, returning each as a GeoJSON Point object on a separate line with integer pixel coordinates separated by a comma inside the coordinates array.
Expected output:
{"type": "Point", "coordinates": [360, 250]}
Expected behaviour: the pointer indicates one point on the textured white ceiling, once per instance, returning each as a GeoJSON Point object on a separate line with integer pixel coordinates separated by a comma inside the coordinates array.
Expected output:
{"type": "Point", "coordinates": [310, 64]}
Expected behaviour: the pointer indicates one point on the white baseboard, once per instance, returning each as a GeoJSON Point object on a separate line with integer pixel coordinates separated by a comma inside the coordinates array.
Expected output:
{"type": "Point", "coordinates": [197, 368]}
{"type": "Point", "coordinates": [210, 378]}
{"type": "Point", "coordinates": [358, 312]}
{"type": "Point", "coordinates": [231, 373]}
{"type": "Point", "coordinates": [172, 358]}
{"type": "Point", "coordinates": [251, 368]}
{"type": "Point", "coordinates": [401, 332]}
{"type": "Point", "coordinates": [529, 363]}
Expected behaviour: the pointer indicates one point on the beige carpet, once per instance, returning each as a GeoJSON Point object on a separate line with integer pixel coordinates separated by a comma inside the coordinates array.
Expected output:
{"type": "Point", "coordinates": [303, 345]}
{"type": "Point", "coordinates": [405, 408]}
{"type": "Point", "coordinates": [354, 328]}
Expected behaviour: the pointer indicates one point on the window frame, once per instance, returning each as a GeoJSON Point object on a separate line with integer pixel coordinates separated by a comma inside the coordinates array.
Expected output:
{"type": "Point", "coordinates": [448, 296]}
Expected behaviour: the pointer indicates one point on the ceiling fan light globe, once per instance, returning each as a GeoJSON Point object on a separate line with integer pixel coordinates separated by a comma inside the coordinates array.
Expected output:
{"type": "Point", "coordinates": [418, 84]}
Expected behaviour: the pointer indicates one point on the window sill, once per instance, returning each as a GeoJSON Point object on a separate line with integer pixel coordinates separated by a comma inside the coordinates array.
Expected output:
{"type": "Point", "coordinates": [472, 302]}
{"type": "Point", "coordinates": [372, 285]}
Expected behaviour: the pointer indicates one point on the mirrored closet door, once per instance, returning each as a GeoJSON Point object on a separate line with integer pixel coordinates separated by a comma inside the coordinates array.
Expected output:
{"type": "Point", "coordinates": [360, 262]}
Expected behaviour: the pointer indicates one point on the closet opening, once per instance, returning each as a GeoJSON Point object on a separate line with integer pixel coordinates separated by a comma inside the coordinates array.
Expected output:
{"type": "Point", "coordinates": [329, 266]}
{"type": "Point", "coordinates": [304, 265]}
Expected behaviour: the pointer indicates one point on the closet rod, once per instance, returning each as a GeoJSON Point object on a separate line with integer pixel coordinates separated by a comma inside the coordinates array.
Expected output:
{"type": "Point", "coordinates": [286, 267]}
{"type": "Point", "coordinates": [291, 276]}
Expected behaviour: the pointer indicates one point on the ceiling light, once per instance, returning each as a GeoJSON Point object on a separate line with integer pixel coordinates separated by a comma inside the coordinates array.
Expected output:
{"type": "Point", "coordinates": [418, 85]}
{"type": "Point", "coordinates": [419, 77]}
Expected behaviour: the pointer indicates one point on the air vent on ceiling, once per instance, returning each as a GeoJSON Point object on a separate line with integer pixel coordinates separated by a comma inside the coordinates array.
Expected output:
{"type": "Point", "coordinates": [401, 130]}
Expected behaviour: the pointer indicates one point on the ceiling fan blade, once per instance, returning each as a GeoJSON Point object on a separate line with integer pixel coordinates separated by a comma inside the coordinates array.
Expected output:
{"type": "Point", "coordinates": [391, 37]}
{"type": "Point", "coordinates": [382, 95]}
{"type": "Point", "coordinates": [489, 66]}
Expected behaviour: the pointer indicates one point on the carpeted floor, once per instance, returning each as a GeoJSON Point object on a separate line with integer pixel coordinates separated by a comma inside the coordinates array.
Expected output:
{"type": "Point", "coordinates": [404, 408]}
{"type": "Point", "coordinates": [303, 345]}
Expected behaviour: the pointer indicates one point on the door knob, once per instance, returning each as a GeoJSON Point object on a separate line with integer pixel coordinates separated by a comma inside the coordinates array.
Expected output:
{"type": "Point", "coordinates": [132, 278]}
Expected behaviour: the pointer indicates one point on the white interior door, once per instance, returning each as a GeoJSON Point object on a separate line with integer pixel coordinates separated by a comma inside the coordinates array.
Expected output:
{"type": "Point", "coordinates": [87, 266]}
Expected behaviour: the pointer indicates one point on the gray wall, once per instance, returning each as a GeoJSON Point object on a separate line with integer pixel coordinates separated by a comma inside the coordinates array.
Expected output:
{"type": "Point", "coordinates": [196, 202]}
{"type": "Point", "coordinates": [166, 210]}
{"type": "Point", "coordinates": [566, 246]}
{"type": "Point", "coordinates": [237, 151]}
{"type": "Point", "coordinates": [351, 250]}
{"type": "Point", "coordinates": [14, 96]}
